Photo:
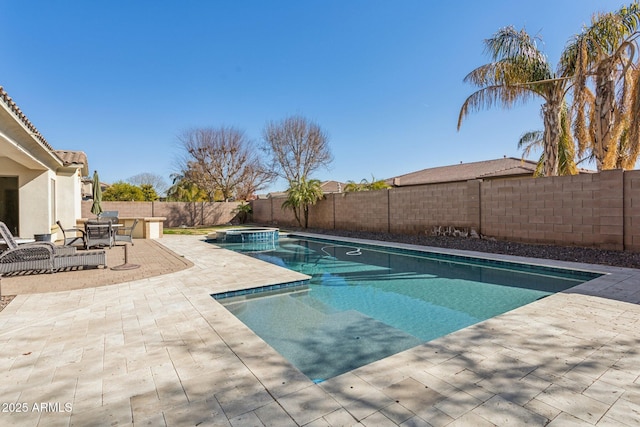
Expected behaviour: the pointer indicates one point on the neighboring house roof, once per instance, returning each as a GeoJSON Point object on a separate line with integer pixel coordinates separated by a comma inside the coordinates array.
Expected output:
{"type": "Point", "coordinates": [507, 167]}
{"type": "Point", "coordinates": [332, 187]}
{"type": "Point", "coordinates": [277, 194]}
{"type": "Point", "coordinates": [87, 187]}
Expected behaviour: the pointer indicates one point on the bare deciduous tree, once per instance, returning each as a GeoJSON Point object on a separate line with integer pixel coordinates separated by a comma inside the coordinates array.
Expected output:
{"type": "Point", "coordinates": [223, 159]}
{"type": "Point", "coordinates": [297, 147]}
{"type": "Point", "coordinates": [156, 181]}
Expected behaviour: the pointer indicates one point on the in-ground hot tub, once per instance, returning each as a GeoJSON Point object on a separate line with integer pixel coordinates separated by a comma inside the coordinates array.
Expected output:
{"type": "Point", "coordinates": [247, 235]}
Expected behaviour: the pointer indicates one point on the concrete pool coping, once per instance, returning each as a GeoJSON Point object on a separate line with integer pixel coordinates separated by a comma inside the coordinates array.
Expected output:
{"type": "Point", "coordinates": [162, 351]}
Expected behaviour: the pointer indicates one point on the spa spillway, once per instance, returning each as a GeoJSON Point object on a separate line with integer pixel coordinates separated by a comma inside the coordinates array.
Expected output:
{"type": "Point", "coordinates": [247, 235]}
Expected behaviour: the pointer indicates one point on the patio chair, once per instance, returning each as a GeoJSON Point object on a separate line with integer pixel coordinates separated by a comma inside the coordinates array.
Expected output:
{"type": "Point", "coordinates": [125, 234]}
{"type": "Point", "coordinates": [99, 233]}
{"type": "Point", "coordinates": [44, 256]}
{"type": "Point", "coordinates": [73, 236]}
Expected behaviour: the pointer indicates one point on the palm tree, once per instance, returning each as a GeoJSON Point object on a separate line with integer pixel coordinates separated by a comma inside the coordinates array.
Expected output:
{"type": "Point", "coordinates": [566, 147]}
{"type": "Point", "coordinates": [518, 72]}
{"type": "Point", "coordinates": [243, 210]}
{"type": "Point", "coordinates": [604, 55]}
{"type": "Point", "coordinates": [353, 186]}
{"type": "Point", "coordinates": [364, 185]}
{"type": "Point", "coordinates": [300, 195]}
{"type": "Point", "coordinates": [183, 190]}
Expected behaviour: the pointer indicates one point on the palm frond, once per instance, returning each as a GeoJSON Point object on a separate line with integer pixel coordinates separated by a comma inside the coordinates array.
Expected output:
{"type": "Point", "coordinates": [539, 171]}
{"type": "Point", "coordinates": [508, 42]}
{"type": "Point", "coordinates": [487, 97]}
{"type": "Point", "coordinates": [532, 140]}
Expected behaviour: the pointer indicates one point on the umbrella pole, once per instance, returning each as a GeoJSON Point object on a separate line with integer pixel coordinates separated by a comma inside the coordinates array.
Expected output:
{"type": "Point", "coordinates": [126, 265]}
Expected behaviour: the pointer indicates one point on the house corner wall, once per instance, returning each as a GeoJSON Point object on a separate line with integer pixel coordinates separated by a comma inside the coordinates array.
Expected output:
{"type": "Point", "coordinates": [35, 203]}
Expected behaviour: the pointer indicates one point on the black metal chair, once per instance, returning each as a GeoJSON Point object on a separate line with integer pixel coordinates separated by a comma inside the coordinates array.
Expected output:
{"type": "Point", "coordinates": [125, 234]}
{"type": "Point", "coordinates": [73, 236]}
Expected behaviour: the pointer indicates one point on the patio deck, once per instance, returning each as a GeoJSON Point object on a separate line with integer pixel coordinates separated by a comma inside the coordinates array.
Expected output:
{"type": "Point", "coordinates": [159, 350]}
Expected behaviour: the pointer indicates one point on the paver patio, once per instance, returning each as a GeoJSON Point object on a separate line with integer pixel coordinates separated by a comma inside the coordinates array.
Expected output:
{"type": "Point", "coordinates": [160, 351]}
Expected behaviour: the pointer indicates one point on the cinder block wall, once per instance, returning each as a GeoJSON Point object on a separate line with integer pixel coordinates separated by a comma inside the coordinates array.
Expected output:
{"type": "Point", "coordinates": [269, 211]}
{"type": "Point", "coordinates": [125, 209]}
{"type": "Point", "coordinates": [196, 213]}
{"type": "Point", "coordinates": [279, 216]}
{"type": "Point", "coordinates": [631, 222]}
{"type": "Point", "coordinates": [362, 211]}
{"type": "Point", "coordinates": [584, 210]}
{"type": "Point", "coordinates": [416, 210]}
{"type": "Point", "coordinates": [262, 209]}
{"type": "Point", "coordinates": [403, 210]}
{"type": "Point", "coordinates": [323, 213]}
{"type": "Point", "coordinates": [177, 213]}
{"type": "Point", "coordinates": [599, 210]}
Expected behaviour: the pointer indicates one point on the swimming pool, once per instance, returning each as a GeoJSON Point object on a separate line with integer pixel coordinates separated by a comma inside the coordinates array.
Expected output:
{"type": "Point", "coordinates": [364, 303]}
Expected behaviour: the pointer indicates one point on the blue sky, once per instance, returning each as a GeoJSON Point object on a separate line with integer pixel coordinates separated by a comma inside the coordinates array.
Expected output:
{"type": "Point", "coordinates": [120, 79]}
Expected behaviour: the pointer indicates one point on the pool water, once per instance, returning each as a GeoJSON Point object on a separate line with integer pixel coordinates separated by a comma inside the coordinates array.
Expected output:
{"type": "Point", "coordinates": [364, 303]}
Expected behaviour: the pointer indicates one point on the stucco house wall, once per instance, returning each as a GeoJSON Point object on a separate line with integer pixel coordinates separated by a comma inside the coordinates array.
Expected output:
{"type": "Point", "coordinates": [48, 182]}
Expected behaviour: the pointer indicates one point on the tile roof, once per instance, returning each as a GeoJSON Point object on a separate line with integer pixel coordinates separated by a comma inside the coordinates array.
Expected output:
{"type": "Point", "coordinates": [6, 99]}
{"type": "Point", "coordinates": [505, 167]}
{"type": "Point", "coordinates": [67, 157]}
{"type": "Point", "coordinates": [72, 157]}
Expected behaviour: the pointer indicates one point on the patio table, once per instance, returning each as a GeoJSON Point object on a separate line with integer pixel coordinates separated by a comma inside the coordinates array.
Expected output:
{"type": "Point", "coordinates": [113, 228]}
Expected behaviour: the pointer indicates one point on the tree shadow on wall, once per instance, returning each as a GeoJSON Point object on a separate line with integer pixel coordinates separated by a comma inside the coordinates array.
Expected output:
{"type": "Point", "coordinates": [183, 214]}
{"type": "Point", "coordinates": [193, 214]}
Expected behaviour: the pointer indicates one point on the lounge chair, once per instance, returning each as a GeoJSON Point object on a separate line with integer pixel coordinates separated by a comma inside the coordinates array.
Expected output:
{"type": "Point", "coordinates": [99, 233]}
{"type": "Point", "coordinates": [44, 256]}
{"type": "Point", "coordinates": [31, 257]}
{"type": "Point", "coordinates": [73, 236]}
{"type": "Point", "coordinates": [125, 234]}
{"type": "Point", "coordinates": [11, 243]}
